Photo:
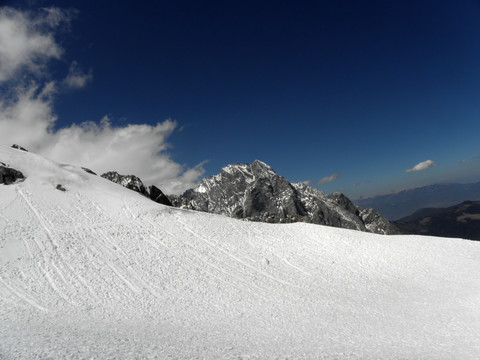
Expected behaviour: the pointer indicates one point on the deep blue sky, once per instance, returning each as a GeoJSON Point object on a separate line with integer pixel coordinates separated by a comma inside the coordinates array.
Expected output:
{"type": "Point", "coordinates": [366, 89]}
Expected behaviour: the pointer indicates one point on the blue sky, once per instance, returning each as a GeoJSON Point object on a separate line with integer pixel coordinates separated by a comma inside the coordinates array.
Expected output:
{"type": "Point", "coordinates": [355, 92]}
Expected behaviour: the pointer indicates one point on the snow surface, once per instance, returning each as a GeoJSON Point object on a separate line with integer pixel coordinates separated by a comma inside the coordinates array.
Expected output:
{"type": "Point", "coordinates": [102, 272]}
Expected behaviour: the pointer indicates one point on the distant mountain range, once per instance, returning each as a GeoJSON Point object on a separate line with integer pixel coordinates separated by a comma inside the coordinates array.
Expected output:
{"type": "Point", "coordinates": [459, 221]}
{"type": "Point", "coordinates": [403, 203]}
{"type": "Point", "coordinates": [256, 192]}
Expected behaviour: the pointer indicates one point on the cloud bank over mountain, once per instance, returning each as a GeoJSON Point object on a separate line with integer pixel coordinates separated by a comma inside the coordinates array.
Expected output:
{"type": "Point", "coordinates": [27, 115]}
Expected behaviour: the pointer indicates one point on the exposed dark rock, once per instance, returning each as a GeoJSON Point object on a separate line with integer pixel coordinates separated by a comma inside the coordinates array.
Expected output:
{"type": "Point", "coordinates": [376, 223]}
{"type": "Point", "coordinates": [158, 196]}
{"type": "Point", "coordinates": [89, 171]}
{"type": "Point", "coordinates": [332, 210]}
{"type": "Point", "coordinates": [15, 146]}
{"type": "Point", "coordinates": [134, 183]}
{"type": "Point", "coordinates": [344, 202]}
{"type": "Point", "coordinates": [255, 192]}
{"type": "Point", "coordinates": [131, 182]}
{"type": "Point", "coordinates": [9, 176]}
{"type": "Point", "coordinates": [60, 187]}
{"type": "Point", "coordinates": [247, 191]}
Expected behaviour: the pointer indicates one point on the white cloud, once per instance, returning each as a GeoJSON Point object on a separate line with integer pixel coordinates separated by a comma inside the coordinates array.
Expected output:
{"type": "Point", "coordinates": [424, 165]}
{"type": "Point", "coordinates": [27, 115]}
{"type": "Point", "coordinates": [76, 78]}
{"type": "Point", "coordinates": [306, 182]}
{"type": "Point", "coordinates": [132, 149]}
{"type": "Point", "coordinates": [330, 178]}
{"type": "Point", "coordinates": [27, 41]}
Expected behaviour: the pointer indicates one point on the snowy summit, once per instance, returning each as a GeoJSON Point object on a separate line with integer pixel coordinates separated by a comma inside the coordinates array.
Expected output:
{"type": "Point", "coordinates": [256, 192]}
{"type": "Point", "coordinates": [100, 271]}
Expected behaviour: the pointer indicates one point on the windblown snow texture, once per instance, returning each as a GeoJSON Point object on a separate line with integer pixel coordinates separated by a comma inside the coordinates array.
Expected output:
{"type": "Point", "coordinates": [255, 192]}
{"type": "Point", "coordinates": [102, 272]}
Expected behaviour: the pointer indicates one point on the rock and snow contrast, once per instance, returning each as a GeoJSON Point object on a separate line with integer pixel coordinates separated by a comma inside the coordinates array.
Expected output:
{"type": "Point", "coordinates": [255, 192]}
{"type": "Point", "coordinates": [134, 183]}
{"type": "Point", "coordinates": [101, 272]}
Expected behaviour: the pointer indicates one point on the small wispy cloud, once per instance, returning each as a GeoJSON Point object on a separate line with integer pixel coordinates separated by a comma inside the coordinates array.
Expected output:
{"type": "Point", "coordinates": [330, 178]}
{"type": "Point", "coordinates": [474, 158]}
{"type": "Point", "coordinates": [306, 182]}
{"type": "Point", "coordinates": [424, 165]}
{"type": "Point", "coordinates": [76, 78]}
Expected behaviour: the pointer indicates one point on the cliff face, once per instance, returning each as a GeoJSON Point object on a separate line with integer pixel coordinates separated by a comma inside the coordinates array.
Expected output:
{"type": "Point", "coordinates": [255, 192]}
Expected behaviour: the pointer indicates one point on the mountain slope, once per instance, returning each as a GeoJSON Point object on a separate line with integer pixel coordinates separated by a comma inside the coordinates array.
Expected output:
{"type": "Point", "coordinates": [134, 183]}
{"type": "Point", "coordinates": [255, 192]}
{"type": "Point", "coordinates": [460, 221]}
{"type": "Point", "coordinates": [99, 271]}
{"type": "Point", "coordinates": [403, 203]}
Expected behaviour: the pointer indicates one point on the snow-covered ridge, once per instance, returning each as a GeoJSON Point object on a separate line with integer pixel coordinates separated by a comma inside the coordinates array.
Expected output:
{"type": "Point", "coordinates": [100, 271]}
{"type": "Point", "coordinates": [257, 165]}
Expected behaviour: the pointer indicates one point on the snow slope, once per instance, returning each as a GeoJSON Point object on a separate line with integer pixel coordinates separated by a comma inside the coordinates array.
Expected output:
{"type": "Point", "coordinates": [102, 272]}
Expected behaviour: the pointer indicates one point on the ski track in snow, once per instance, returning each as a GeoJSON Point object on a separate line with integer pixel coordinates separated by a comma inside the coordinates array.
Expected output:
{"type": "Point", "coordinates": [101, 272]}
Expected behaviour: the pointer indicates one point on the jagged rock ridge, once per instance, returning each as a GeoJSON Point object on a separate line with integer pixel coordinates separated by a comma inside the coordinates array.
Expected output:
{"type": "Point", "coordinates": [255, 192]}
{"type": "Point", "coordinates": [134, 183]}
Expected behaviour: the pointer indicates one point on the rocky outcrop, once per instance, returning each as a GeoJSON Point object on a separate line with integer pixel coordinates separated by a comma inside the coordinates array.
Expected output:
{"type": "Point", "coordinates": [134, 183]}
{"type": "Point", "coordinates": [88, 171]}
{"type": "Point", "coordinates": [158, 196]}
{"type": "Point", "coordinates": [9, 175]}
{"type": "Point", "coordinates": [18, 147]}
{"type": "Point", "coordinates": [60, 187]}
{"type": "Point", "coordinates": [255, 192]}
{"type": "Point", "coordinates": [376, 223]}
{"type": "Point", "coordinates": [131, 182]}
{"type": "Point", "coordinates": [332, 210]}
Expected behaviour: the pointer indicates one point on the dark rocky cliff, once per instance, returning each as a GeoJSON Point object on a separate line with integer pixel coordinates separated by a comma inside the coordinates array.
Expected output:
{"type": "Point", "coordinates": [255, 192]}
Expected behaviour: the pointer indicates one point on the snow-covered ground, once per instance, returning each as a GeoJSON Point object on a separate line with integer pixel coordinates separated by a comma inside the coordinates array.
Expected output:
{"type": "Point", "coordinates": [101, 272]}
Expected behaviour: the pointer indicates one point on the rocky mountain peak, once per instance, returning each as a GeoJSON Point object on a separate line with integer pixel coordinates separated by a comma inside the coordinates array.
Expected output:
{"type": "Point", "coordinates": [255, 192]}
{"type": "Point", "coordinates": [260, 167]}
{"type": "Point", "coordinates": [256, 169]}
